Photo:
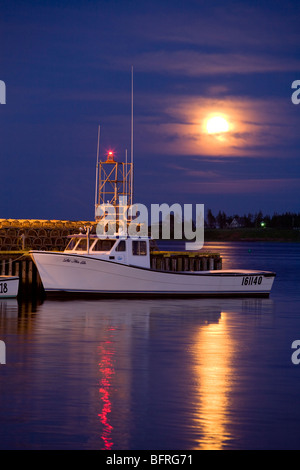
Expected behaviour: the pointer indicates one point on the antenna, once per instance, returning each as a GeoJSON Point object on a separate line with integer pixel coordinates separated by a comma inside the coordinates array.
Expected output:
{"type": "Point", "coordinates": [114, 179]}
{"type": "Point", "coordinates": [97, 171]}
{"type": "Point", "coordinates": [132, 134]}
{"type": "Point", "coordinates": [126, 177]}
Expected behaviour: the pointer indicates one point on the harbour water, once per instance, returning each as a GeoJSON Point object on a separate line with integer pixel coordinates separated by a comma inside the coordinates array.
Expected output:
{"type": "Point", "coordinates": [157, 374]}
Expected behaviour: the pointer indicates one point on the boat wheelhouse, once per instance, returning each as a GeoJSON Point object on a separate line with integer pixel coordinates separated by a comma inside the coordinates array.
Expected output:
{"type": "Point", "coordinates": [118, 249]}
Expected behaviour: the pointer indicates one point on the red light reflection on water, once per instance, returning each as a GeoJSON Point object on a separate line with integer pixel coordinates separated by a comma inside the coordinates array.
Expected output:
{"type": "Point", "coordinates": [107, 370]}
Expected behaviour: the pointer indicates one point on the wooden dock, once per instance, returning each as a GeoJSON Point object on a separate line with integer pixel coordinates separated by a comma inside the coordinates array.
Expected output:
{"type": "Point", "coordinates": [185, 261]}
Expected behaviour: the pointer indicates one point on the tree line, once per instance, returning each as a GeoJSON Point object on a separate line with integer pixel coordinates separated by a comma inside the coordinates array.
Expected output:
{"type": "Point", "coordinates": [288, 220]}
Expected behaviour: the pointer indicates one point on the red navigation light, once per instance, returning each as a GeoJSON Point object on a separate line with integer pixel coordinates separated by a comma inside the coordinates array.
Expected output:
{"type": "Point", "coordinates": [110, 156]}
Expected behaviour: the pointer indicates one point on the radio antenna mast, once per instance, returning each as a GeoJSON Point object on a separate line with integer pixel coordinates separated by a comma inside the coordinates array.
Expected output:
{"type": "Point", "coordinates": [114, 179]}
{"type": "Point", "coordinates": [131, 134]}
{"type": "Point", "coordinates": [97, 171]}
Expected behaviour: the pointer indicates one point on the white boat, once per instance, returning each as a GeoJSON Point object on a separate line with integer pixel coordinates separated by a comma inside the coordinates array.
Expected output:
{"type": "Point", "coordinates": [9, 286]}
{"type": "Point", "coordinates": [118, 266]}
{"type": "Point", "coordinates": [121, 265]}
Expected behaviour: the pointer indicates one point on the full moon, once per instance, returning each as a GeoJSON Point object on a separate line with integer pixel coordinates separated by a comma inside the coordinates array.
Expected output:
{"type": "Point", "coordinates": [217, 125]}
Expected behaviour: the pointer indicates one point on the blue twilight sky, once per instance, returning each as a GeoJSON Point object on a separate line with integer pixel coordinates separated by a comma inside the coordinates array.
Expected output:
{"type": "Point", "coordinates": [67, 69]}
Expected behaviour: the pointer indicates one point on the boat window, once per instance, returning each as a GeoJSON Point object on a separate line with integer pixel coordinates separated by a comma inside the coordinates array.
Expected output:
{"type": "Point", "coordinates": [82, 245]}
{"type": "Point", "coordinates": [70, 246]}
{"type": "Point", "coordinates": [139, 248]}
{"type": "Point", "coordinates": [121, 246]}
{"type": "Point", "coordinates": [104, 245]}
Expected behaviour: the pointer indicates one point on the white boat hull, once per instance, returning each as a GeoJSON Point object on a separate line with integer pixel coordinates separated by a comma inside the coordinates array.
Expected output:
{"type": "Point", "coordinates": [9, 286]}
{"type": "Point", "coordinates": [84, 274]}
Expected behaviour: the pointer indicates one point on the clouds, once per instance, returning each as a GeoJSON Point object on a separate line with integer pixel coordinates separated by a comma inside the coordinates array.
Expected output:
{"type": "Point", "coordinates": [245, 186]}
{"type": "Point", "coordinates": [201, 38]}
{"type": "Point", "coordinates": [67, 70]}
{"type": "Point", "coordinates": [203, 64]}
{"type": "Point", "coordinates": [258, 127]}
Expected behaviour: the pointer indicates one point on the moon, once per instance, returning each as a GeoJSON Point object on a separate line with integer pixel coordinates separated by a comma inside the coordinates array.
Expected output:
{"type": "Point", "coordinates": [217, 125]}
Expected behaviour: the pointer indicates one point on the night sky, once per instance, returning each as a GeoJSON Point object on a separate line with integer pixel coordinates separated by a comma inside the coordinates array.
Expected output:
{"type": "Point", "coordinates": [67, 69]}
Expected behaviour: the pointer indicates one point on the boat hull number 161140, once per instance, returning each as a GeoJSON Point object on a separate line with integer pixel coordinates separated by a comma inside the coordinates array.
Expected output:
{"type": "Point", "coordinates": [251, 280]}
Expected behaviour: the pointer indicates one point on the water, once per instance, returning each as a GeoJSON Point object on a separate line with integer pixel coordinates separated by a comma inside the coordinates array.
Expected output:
{"type": "Point", "coordinates": [157, 374]}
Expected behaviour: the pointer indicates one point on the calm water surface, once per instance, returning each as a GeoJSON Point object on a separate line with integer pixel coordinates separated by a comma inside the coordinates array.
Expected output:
{"type": "Point", "coordinates": [157, 374]}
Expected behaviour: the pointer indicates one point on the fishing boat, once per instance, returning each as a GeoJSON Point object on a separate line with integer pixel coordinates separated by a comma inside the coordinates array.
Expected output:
{"type": "Point", "coordinates": [120, 266]}
{"type": "Point", "coordinates": [9, 286]}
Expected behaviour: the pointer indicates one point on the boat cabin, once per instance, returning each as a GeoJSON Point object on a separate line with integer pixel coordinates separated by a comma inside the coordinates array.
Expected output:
{"type": "Point", "coordinates": [130, 251]}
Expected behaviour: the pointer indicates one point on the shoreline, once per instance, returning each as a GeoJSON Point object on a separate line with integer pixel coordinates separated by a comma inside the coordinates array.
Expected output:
{"type": "Point", "coordinates": [252, 235]}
